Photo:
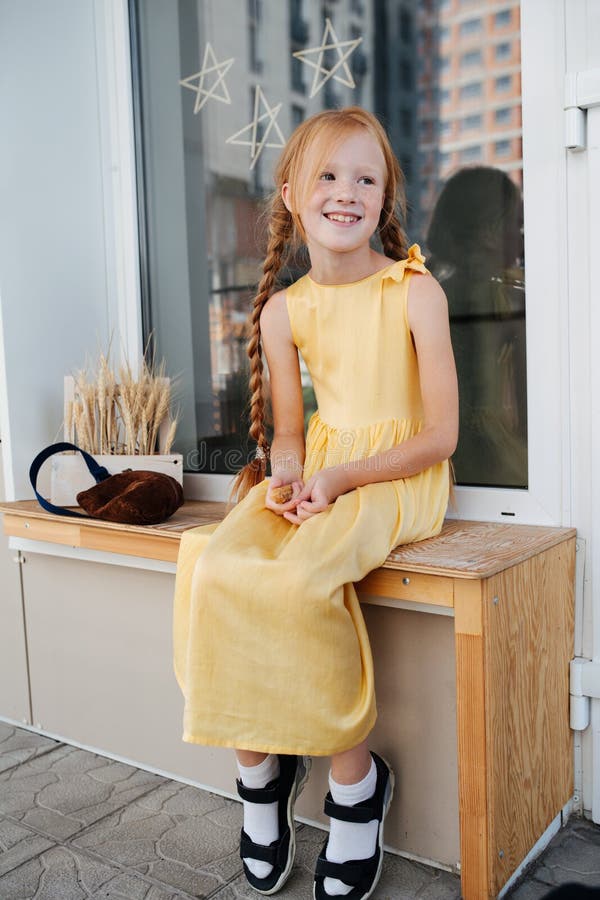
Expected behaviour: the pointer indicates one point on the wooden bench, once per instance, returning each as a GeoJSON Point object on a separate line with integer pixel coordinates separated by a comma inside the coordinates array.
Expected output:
{"type": "Point", "coordinates": [510, 589]}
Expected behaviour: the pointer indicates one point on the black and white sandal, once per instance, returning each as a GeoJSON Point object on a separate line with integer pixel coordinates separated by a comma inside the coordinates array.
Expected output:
{"type": "Point", "coordinates": [293, 775]}
{"type": "Point", "coordinates": [362, 874]}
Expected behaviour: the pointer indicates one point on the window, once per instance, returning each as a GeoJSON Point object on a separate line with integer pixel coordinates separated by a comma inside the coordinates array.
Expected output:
{"type": "Point", "coordinates": [471, 90]}
{"type": "Point", "coordinates": [297, 115]}
{"type": "Point", "coordinates": [471, 58]}
{"type": "Point", "coordinates": [406, 26]}
{"type": "Point", "coordinates": [406, 74]}
{"type": "Point", "coordinates": [502, 51]}
{"type": "Point", "coordinates": [331, 98]}
{"type": "Point", "coordinates": [502, 18]}
{"type": "Point", "coordinates": [254, 11]}
{"type": "Point", "coordinates": [503, 83]}
{"type": "Point", "coordinates": [406, 164]}
{"type": "Point", "coordinates": [299, 28]}
{"type": "Point", "coordinates": [406, 121]}
{"type": "Point", "coordinates": [470, 27]}
{"type": "Point", "coordinates": [471, 122]}
{"type": "Point", "coordinates": [358, 63]}
{"type": "Point", "coordinates": [470, 154]}
{"type": "Point", "coordinates": [297, 75]}
{"type": "Point", "coordinates": [256, 182]}
{"type": "Point", "coordinates": [203, 174]}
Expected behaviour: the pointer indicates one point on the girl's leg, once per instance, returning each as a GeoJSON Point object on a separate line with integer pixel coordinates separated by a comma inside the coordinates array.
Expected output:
{"type": "Point", "coordinates": [352, 779]}
{"type": "Point", "coordinates": [261, 820]}
{"type": "Point", "coordinates": [351, 765]}
{"type": "Point", "coordinates": [249, 757]}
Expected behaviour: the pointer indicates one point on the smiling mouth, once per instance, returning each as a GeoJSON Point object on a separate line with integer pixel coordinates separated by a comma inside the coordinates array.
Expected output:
{"type": "Point", "coordinates": [345, 218]}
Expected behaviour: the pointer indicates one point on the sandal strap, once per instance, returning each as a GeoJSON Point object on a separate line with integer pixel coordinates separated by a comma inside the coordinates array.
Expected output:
{"type": "Point", "coordinates": [348, 813]}
{"type": "Point", "coordinates": [258, 795]}
{"type": "Point", "coordinates": [351, 873]}
{"type": "Point", "coordinates": [276, 854]}
{"type": "Point", "coordinates": [250, 850]}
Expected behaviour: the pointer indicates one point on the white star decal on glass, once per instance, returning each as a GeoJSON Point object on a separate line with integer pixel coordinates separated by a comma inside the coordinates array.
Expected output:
{"type": "Point", "coordinates": [209, 65]}
{"type": "Point", "coordinates": [256, 142]}
{"type": "Point", "coordinates": [334, 44]}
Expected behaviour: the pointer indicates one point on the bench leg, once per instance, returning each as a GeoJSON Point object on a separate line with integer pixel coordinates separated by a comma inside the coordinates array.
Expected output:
{"type": "Point", "coordinates": [514, 640]}
{"type": "Point", "coordinates": [470, 712]}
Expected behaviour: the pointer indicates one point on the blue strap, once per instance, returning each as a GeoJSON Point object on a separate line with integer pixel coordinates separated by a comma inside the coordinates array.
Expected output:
{"type": "Point", "coordinates": [98, 472]}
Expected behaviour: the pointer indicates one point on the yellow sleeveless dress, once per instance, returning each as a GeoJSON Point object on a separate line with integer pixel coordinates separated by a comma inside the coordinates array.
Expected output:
{"type": "Point", "coordinates": [271, 650]}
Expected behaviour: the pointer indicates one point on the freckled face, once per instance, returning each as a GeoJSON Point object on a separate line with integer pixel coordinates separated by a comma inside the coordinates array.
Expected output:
{"type": "Point", "coordinates": [343, 210]}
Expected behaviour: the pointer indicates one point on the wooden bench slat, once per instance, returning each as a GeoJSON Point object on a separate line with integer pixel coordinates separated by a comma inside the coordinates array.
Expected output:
{"type": "Point", "coordinates": [463, 549]}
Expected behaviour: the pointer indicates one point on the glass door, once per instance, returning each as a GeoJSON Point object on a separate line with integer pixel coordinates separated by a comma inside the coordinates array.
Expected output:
{"type": "Point", "coordinates": [468, 92]}
{"type": "Point", "coordinates": [522, 367]}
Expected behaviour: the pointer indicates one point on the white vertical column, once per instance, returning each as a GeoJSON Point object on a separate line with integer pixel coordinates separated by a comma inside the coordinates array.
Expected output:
{"type": "Point", "coordinates": [593, 164]}
{"type": "Point", "coordinates": [582, 30]}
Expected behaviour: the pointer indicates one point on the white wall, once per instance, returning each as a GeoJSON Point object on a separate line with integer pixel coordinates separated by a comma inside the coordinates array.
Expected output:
{"type": "Point", "coordinates": [53, 281]}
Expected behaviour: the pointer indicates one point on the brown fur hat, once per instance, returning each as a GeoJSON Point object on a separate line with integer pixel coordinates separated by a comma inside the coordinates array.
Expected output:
{"type": "Point", "coordinates": [133, 498]}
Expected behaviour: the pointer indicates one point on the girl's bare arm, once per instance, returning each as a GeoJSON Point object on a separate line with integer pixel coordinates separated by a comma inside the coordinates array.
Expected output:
{"type": "Point", "coordinates": [288, 447]}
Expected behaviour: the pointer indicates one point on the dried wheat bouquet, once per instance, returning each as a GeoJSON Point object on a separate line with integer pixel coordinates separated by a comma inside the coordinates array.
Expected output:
{"type": "Point", "coordinates": [124, 415]}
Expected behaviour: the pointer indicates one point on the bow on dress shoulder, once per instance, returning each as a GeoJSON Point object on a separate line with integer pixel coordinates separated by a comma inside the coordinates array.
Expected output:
{"type": "Point", "coordinates": [415, 260]}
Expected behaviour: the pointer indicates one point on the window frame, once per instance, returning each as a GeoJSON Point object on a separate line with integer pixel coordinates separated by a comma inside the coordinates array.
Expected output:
{"type": "Point", "coordinates": [546, 500]}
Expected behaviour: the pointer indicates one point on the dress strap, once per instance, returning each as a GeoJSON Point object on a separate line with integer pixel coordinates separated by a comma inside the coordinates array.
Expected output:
{"type": "Point", "coordinates": [415, 261]}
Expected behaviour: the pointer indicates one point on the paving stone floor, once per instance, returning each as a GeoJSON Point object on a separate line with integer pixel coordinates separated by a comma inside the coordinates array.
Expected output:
{"type": "Point", "coordinates": [77, 825]}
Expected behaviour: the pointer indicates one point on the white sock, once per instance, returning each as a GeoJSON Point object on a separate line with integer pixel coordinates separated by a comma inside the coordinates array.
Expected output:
{"type": "Point", "coordinates": [261, 821]}
{"type": "Point", "coordinates": [351, 840]}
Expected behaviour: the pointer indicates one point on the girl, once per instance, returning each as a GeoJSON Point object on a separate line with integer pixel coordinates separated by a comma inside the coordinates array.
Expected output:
{"type": "Point", "coordinates": [271, 649]}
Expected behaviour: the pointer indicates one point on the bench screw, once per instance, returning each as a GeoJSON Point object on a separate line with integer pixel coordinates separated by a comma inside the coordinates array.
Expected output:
{"type": "Point", "coordinates": [406, 580]}
{"type": "Point", "coordinates": [495, 601]}
{"type": "Point", "coordinates": [501, 854]}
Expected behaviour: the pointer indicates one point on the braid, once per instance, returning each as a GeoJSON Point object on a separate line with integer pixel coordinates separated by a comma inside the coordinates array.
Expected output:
{"type": "Point", "coordinates": [393, 236]}
{"type": "Point", "coordinates": [280, 231]}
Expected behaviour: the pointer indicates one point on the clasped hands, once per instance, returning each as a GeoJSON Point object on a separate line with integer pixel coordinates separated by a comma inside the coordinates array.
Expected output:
{"type": "Point", "coordinates": [311, 498]}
